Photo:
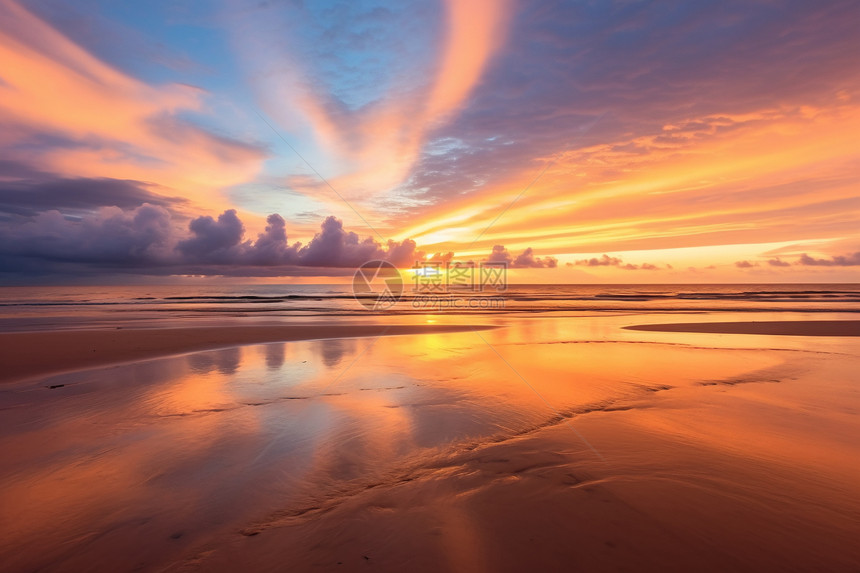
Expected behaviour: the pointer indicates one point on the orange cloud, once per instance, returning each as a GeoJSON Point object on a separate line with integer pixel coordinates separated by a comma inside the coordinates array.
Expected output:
{"type": "Point", "coordinates": [106, 123]}
{"type": "Point", "coordinates": [372, 149]}
{"type": "Point", "coordinates": [775, 176]}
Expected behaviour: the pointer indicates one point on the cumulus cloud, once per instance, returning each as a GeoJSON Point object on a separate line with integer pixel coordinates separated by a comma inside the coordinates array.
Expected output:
{"type": "Point", "coordinates": [604, 261]}
{"type": "Point", "coordinates": [110, 236]}
{"type": "Point", "coordinates": [852, 260]}
{"type": "Point", "coordinates": [333, 246]}
{"type": "Point", "coordinates": [745, 264]}
{"type": "Point", "coordinates": [524, 260]}
{"type": "Point", "coordinates": [222, 242]}
{"type": "Point", "coordinates": [528, 259]}
{"type": "Point", "coordinates": [271, 246]}
{"type": "Point", "coordinates": [499, 255]}
{"type": "Point", "coordinates": [147, 239]}
{"type": "Point", "coordinates": [777, 262]}
{"type": "Point", "coordinates": [214, 241]}
{"type": "Point", "coordinates": [607, 261]}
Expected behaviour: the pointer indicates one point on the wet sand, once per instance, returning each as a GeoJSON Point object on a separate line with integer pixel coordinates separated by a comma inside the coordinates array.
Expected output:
{"type": "Point", "coordinates": [39, 353]}
{"type": "Point", "coordinates": [569, 444]}
{"type": "Point", "coordinates": [776, 327]}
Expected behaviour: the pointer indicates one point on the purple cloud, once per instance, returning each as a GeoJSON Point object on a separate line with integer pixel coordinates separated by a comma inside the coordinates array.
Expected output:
{"type": "Point", "coordinates": [836, 261]}
{"type": "Point", "coordinates": [214, 241]}
{"type": "Point", "coordinates": [604, 261]}
{"type": "Point", "coordinates": [110, 236]}
{"type": "Point", "coordinates": [607, 261]}
{"type": "Point", "coordinates": [522, 261]}
{"type": "Point", "coordinates": [148, 240]}
{"type": "Point", "coordinates": [777, 262]}
{"type": "Point", "coordinates": [27, 192]}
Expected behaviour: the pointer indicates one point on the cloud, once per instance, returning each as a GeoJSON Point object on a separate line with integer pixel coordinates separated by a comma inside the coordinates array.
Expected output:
{"type": "Point", "coordinates": [110, 237]}
{"type": "Point", "coordinates": [333, 246]}
{"type": "Point", "coordinates": [149, 240]}
{"type": "Point", "coordinates": [642, 177]}
{"type": "Point", "coordinates": [499, 255]}
{"type": "Point", "coordinates": [777, 262]}
{"type": "Point", "coordinates": [603, 261]}
{"type": "Point", "coordinates": [214, 241]}
{"type": "Point", "coordinates": [441, 257]}
{"type": "Point", "coordinates": [607, 261]}
{"type": "Point", "coordinates": [222, 242]}
{"type": "Point", "coordinates": [45, 192]}
{"type": "Point", "coordinates": [745, 264]}
{"type": "Point", "coordinates": [620, 108]}
{"type": "Point", "coordinates": [369, 82]}
{"type": "Point", "coordinates": [522, 261]}
{"type": "Point", "coordinates": [528, 260]}
{"type": "Point", "coordinates": [72, 114]}
{"type": "Point", "coordinates": [271, 247]}
{"type": "Point", "coordinates": [836, 261]}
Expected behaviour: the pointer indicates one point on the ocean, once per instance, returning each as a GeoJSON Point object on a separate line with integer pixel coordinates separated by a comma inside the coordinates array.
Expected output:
{"type": "Point", "coordinates": [26, 308]}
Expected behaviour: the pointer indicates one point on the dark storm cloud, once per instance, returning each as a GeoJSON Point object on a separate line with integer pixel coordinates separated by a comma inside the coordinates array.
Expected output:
{"type": "Point", "coordinates": [149, 240]}
{"type": "Point", "coordinates": [214, 241]}
{"type": "Point", "coordinates": [222, 242]}
{"type": "Point", "coordinates": [42, 192]}
{"type": "Point", "coordinates": [111, 237]}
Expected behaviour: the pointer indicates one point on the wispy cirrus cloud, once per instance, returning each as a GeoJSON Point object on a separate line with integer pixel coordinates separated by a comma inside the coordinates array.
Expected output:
{"type": "Point", "coordinates": [418, 64]}
{"type": "Point", "coordinates": [705, 135]}
{"type": "Point", "coordinates": [73, 115]}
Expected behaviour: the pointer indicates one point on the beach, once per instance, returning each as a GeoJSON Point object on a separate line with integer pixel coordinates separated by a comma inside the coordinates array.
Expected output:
{"type": "Point", "coordinates": [479, 443]}
{"type": "Point", "coordinates": [24, 354]}
{"type": "Point", "coordinates": [776, 327]}
{"type": "Point", "coordinates": [447, 286]}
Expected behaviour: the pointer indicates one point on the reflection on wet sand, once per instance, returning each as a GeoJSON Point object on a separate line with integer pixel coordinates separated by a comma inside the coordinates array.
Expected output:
{"type": "Point", "coordinates": [429, 452]}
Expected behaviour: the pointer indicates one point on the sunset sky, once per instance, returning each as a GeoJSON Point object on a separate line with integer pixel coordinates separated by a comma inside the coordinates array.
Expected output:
{"type": "Point", "coordinates": [595, 142]}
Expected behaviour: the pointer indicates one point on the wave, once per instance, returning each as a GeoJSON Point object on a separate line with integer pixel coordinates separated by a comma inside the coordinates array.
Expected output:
{"type": "Point", "coordinates": [304, 300]}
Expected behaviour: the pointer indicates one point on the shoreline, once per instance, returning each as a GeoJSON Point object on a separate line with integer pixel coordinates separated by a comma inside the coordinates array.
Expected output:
{"type": "Point", "coordinates": [35, 354]}
{"type": "Point", "coordinates": [773, 327]}
{"type": "Point", "coordinates": [437, 453]}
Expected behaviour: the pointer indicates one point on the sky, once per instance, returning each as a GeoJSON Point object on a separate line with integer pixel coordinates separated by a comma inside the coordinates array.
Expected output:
{"type": "Point", "coordinates": [579, 141]}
